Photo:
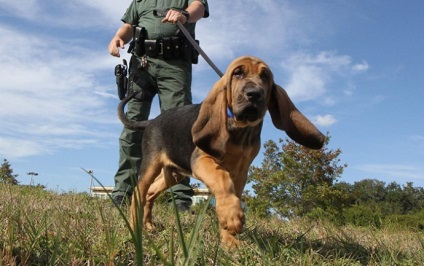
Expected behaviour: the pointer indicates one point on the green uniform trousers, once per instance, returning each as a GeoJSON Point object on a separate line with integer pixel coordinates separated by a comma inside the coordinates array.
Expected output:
{"type": "Point", "coordinates": [171, 81]}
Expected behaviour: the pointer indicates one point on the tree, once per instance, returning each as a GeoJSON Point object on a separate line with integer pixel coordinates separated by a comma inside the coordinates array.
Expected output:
{"type": "Point", "coordinates": [369, 191]}
{"type": "Point", "coordinates": [265, 180]}
{"type": "Point", "coordinates": [390, 199]}
{"type": "Point", "coordinates": [412, 198]}
{"type": "Point", "coordinates": [6, 174]}
{"type": "Point", "coordinates": [373, 202]}
{"type": "Point", "coordinates": [296, 180]}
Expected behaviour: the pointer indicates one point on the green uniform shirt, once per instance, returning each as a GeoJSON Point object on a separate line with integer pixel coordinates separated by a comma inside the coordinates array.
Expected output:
{"type": "Point", "coordinates": [140, 13]}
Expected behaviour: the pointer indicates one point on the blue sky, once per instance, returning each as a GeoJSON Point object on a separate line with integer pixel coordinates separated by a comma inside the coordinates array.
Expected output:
{"type": "Point", "coordinates": [354, 68]}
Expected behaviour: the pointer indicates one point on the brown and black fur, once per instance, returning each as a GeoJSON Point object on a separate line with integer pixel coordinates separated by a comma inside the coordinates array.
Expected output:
{"type": "Point", "coordinates": [203, 141]}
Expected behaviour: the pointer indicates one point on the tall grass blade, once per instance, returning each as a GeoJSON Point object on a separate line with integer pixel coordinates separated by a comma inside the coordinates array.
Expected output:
{"type": "Point", "coordinates": [195, 239]}
{"type": "Point", "coordinates": [179, 226]}
{"type": "Point", "coordinates": [137, 235]}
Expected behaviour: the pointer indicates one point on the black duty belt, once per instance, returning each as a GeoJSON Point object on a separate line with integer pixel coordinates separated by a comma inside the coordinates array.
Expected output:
{"type": "Point", "coordinates": [168, 47]}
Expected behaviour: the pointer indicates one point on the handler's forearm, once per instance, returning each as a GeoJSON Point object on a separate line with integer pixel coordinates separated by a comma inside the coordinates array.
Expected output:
{"type": "Point", "coordinates": [125, 32]}
{"type": "Point", "coordinates": [196, 10]}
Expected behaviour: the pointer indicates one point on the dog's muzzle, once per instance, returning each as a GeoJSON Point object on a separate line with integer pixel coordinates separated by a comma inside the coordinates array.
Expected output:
{"type": "Point", "coordinates": [254, 94]}
{"type": "Point", "coordinates": [250, 105]}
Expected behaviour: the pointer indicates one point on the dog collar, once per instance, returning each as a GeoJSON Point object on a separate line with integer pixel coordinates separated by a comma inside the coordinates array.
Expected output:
{"type": "Point", "coordinates": [230, 113]}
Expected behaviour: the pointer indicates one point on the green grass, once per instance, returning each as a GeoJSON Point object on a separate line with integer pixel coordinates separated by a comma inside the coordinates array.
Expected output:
{"type": "Point", "coordinates": [40, 227]}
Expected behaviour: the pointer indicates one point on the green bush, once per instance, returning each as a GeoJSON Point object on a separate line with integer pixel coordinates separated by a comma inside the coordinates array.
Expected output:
{"type": "Point", "coordinates": [411, 221]}
{"type": "Point", "coordinates": [363, 215]}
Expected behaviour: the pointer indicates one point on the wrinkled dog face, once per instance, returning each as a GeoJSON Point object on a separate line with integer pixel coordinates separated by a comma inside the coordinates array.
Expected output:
{"type": "Point", "coordinates": [251, 82]}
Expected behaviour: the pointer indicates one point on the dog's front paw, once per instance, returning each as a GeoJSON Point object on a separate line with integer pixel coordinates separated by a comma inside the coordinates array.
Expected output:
{"type": "Point", "coordinates": [149, 226]}
{"type": "Point", "coordinates": [230, 216]}
{"type": "Point", "coordinates": [228, 240]}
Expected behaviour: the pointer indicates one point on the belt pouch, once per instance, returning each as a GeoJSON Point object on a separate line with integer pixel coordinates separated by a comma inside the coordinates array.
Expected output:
{"type": "Point", "coordinates": [152, 47]}
{"type": "Point", "coordinates": [168, 48]}
{"type": "Point", "coordinates": [194, 54]}
{"type": "Point", "coordinates": [178, 45]}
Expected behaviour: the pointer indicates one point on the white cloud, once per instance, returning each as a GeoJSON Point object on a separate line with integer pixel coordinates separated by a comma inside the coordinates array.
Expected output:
{"type": "Point", "coordinates": [324, 120]}
{"type": "Point", "coordinates": [310, 75]}
{"type": "Point", "coordinates": [24, 8]}
{"type": "Point", "coordinates": [306, 82]}
{"type": "Point", "coordinates": [361, 67]}
{"type": "Point", "coordinates": [111, 9]}
{"type": "Point", "coordinates": [228, 33]}
{"type": "Point", "coordinates": [71, 14]}
{"type": "Point", "coordinates": [393, 171]}
{"type": "Point", "coordinates": [14, 147]}
{"type": "Point", "coordinates": [51, 95]}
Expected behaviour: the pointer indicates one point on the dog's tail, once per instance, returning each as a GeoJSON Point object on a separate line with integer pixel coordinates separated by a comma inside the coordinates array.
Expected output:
{"type": "Point", "coordinates": [131, 124]}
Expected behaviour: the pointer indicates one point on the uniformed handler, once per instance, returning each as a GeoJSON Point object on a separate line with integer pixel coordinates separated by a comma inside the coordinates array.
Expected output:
{"type": "Point", "coordinates": [161, 63]}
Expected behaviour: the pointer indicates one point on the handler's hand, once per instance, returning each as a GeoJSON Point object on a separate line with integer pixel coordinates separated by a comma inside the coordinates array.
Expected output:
{"type": "Point", "coordinates": [174, 16]}
{"type": "Point", "coordinates": [114, 46]}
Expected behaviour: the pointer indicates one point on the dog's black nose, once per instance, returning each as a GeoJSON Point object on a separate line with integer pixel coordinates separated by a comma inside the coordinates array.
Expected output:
{"type": "Point", "coordinates": [254, 94]}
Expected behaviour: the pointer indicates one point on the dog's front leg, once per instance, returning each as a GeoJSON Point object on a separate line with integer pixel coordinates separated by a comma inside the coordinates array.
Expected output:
{"type": "Point", "coordinates": [228, 205]}
{"type": "Point", "coordinates": [231, 218]}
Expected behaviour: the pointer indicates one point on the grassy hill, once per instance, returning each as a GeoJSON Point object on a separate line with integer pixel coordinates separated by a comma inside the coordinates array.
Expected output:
{"type": "Point", "coordinates": [41, 227]}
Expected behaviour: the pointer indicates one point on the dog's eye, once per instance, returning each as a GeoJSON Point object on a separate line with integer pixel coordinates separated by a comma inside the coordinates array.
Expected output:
{"type": "Point", "coordinates": [264, 75]}
{"type": "Point", "coordinates": [238, 72]}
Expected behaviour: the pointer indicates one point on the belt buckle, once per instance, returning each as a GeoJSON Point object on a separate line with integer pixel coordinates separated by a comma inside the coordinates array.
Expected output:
{"type": "Point", "coordinates": [160, 52]}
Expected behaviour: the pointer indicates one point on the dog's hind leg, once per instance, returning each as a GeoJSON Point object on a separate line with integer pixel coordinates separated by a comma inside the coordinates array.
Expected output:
{"type": "Point", "coordinates": [166, 178]}
{"type": "Point", "coordinates": [148, 174]}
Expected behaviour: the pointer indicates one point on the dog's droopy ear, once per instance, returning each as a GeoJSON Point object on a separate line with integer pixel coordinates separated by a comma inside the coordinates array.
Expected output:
{"type": "Point", "coordinates": [285, 116]}
{"type": "Point", "coordinates": [209, 131]}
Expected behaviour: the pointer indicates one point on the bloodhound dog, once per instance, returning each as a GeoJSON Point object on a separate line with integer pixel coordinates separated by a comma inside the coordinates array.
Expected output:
{"type": "Point", "coordinates": [216, 141]}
